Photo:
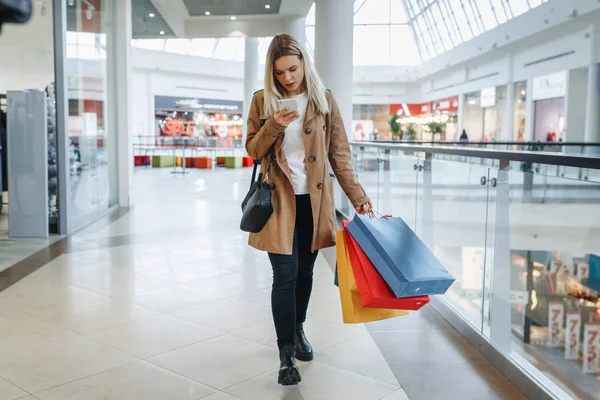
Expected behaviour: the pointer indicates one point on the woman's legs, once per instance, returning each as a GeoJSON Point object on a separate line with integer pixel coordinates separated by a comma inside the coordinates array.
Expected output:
{"type": "Point", "coordinates": [293, 276]}
{"type": "Point", "coordinates": [292, 286]}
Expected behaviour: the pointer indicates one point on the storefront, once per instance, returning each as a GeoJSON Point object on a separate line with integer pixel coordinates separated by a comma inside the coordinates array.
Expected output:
{"type": "Point", "coordinates": [549, 107]}
{"type": "Point", "coordinates": [370, 122]}
{"type": "Point", "coordinates": [447, 111]}
{"type": "Point", "coordinates": [176, 116]}
{"type": "Point", "coordinates": [414, 121]}
{"type": "Point", "coordinates": [483, 117]}
{"type": "Point", "coordinates": [69, 91]}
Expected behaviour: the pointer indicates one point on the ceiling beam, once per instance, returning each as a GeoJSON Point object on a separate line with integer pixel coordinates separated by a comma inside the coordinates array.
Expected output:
{"type": "Point", "coordinates": [174, 12]}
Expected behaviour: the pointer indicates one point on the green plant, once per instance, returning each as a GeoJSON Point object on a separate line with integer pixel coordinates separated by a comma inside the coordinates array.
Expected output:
{"type": "Point", "coordinates": [394, 126]}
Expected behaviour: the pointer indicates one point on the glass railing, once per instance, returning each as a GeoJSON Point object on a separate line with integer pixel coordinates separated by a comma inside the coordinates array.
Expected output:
{"type": "Point", "coordinates": [520, 234]}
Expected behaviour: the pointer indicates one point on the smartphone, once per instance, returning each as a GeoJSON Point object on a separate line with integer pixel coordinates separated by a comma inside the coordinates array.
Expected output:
{"type": "Point", "coordinates": [290, 104]}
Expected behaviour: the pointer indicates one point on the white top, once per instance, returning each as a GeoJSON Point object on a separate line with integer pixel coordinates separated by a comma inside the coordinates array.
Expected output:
{"type": "Point", "coordinates": [293, 147]}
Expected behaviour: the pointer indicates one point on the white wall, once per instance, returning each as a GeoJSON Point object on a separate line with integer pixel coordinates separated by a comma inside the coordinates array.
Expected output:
{"type": "Point", "coordinates": [27, 52]}
{"type": "Point", "coordinates": [163, 74]}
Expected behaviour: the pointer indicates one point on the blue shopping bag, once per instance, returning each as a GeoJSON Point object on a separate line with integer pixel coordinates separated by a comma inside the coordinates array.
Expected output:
{"type": "Point", "coordinates": [403, 260]}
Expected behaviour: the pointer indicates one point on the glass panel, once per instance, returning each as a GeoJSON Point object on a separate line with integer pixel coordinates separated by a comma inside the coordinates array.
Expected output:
{"type": "Point", "coordinates": [397, 186]}
{"type": "Point", "coordinates": [202, 47]}
{"type": "Point", "coordinates": [451, 219]}
{"type": "Point", "coordinates": [535, 3]}
{"type": "Point", "coordinates": [180, 46]}
{"type": "Point", "coordinates": [552, 297]}
{"type": "Point", "coordinates": [499, 10]}
{"type": "Point", "coordinates": [373, 12]}
{"type": "Point", "coordinates": [364, 51]}
{"type": "Point", "coordinates": [518, 6]}
{"type": "Point", "coordinates": [366, 167]}
{"type": "Point", "coordinates": [442, 32]}
{"type": "Point", "coordinates": [398, 13]}
{"type": "Point", "coordinates": [487, 15]}
{"type": "Point", "coordinates": [88, 121]}
{"type": "Point", "coordinates": [404, 47]}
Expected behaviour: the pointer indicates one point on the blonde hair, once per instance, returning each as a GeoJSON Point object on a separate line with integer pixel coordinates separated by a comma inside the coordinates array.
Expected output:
{"type": "Point", "coordinates": [286, 45]}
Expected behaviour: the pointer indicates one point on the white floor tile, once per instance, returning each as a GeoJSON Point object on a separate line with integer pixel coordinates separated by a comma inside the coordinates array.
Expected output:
{"type": "Point", "coordinates": [227, 315]}
{"type": "Point", "coordinates": [8, 391]}
{"type": "Point", "coordinates": [319, 382]}
{"type": "Point", "coordinates": [55, 364]}
{"type": "Point", "coordinates": [220, 362]}
{"type": "Point", "coordinates": [29, 332]}
{"type": "Point", "coordinates": [155, 336]}
{"type": "Point", "coordinates": [173, 298]}
{"type": "Point", "coordinates": [98, 316]}
{"type": "Point", "coordinates": [41, 299]}
{"type": "Point", "coordinates": [138, 381]}
{"type": "Point", "coordinates": [360, 355]}
{"type": "Point", "coordinates": [221, 396]}
{"type": "Point", "coordinates": [114, 282]}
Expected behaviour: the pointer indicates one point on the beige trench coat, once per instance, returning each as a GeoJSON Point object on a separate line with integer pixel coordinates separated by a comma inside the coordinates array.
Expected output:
{"type": "Point", "coordinates": [324, 140]}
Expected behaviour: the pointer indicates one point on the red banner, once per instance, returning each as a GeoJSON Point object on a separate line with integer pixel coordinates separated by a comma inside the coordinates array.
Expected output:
{"type": "Point", "coordinates": [410, 110]}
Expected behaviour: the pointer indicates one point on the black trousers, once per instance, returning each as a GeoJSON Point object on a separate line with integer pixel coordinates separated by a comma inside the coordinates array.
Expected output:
{"type": "Point", "coordinates": [293, 276]}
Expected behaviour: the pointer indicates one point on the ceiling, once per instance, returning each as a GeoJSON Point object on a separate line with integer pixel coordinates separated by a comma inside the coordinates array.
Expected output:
{"type": "Point", "coordinates": [232, 7]}
{"type": "Point", "coordinates": [145, 26]}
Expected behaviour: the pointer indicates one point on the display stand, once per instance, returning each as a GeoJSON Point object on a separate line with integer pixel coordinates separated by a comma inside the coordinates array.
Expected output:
{"type": "Point", "coordinates": [27, 164]}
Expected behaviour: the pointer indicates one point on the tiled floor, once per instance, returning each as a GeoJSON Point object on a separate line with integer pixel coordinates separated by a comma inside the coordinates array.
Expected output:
{"type": "Point", "coordinates": [14, 250]}
{"type": "Point", "coordinates": [168, 302]}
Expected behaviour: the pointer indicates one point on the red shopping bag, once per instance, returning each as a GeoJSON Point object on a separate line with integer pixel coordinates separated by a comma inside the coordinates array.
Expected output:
{"type": "Point", "coordinates": [373, 291]}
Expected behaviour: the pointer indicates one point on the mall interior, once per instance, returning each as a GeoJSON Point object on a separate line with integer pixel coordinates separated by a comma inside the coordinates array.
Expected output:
{"type": "Point", "coordinates": [124, 273]}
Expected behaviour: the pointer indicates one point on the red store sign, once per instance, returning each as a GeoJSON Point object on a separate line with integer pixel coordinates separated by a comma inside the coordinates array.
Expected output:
{"type": "Point", "coordinates": [448, 105]}
{"type": "Point", "coordinates": [410, 110]}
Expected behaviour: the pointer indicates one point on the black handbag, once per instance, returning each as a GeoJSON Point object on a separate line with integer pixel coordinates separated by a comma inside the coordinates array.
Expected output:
{"type": "Point", "coordinates": [256, 207]}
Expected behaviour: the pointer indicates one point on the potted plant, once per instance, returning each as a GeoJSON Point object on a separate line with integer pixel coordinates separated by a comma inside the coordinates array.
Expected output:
{"type": "Point", "coordinates": [395, 127]}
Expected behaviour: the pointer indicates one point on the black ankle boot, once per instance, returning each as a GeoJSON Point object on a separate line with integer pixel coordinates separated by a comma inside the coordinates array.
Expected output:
{"type": "Point", "coordinates": [289, 374]}
{"type": "Point", "coordinates": [304, 351]}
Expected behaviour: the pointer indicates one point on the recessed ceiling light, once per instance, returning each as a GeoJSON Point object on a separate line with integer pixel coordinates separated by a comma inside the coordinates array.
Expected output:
{"type": "Point", "coordinates": [233, 18]}
{"type": "Point", "coordinates": [151, 15]}
{"type": "Point", "coordinates": [162, 32]}
{"type": "Point", "coordinates": [207, 13]}
{"type": "Point", "coordinates": [267, 6]}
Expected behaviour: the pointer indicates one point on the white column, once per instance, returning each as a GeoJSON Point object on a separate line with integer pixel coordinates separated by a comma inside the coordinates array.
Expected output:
{"type": "Point", "coordinates": [334, 40]}
{"type": "Point", "coordinates": [529, 112]}
{"type": "Point", "coordinates": [593, 100]}
{"type": "Point", "coordinates": [509, 113]}
{"type": "Point", "coordinates": [460, 114]}
{"type": "Point", "coordinates": [250, 77]}
{"type": "Point", "coordinates": [296, 27]}
{"type": "Point", "coordinates": [124, 116]}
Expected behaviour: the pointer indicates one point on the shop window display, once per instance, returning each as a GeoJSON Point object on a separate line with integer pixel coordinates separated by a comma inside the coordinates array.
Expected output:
{"type": "Point", "coordinates": [198, 122]}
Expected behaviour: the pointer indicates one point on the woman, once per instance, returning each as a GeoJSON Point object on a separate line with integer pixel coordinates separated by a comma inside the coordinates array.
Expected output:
{"type": "Point", "coordinates": [295, 147]}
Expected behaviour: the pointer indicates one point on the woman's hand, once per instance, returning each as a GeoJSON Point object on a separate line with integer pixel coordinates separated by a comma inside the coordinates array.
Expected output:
{"type": "Point", "coordinates": [284, 118]}
{"type": "Point", "coordinates": [365, 208]}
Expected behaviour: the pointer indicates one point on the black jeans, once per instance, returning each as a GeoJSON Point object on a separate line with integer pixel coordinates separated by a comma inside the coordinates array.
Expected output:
{"type": "Point", "coordinates": [293, 276]}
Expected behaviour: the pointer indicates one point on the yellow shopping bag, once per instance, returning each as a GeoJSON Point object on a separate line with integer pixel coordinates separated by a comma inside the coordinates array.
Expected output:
{"type": "Point", "coordinates": [353, 312]}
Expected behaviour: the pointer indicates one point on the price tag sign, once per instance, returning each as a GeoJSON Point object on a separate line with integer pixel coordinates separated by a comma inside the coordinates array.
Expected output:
{"type": "Point", "coordinates": [591, 342]}
{"type": "Point", "coordinates": [555, 323]}
{"type": "Point", "coordinates": [573, 333]}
